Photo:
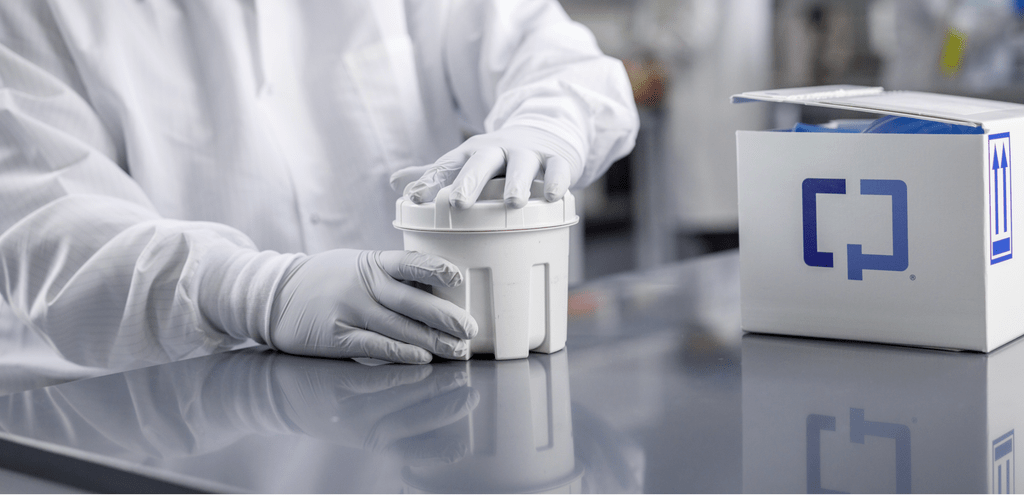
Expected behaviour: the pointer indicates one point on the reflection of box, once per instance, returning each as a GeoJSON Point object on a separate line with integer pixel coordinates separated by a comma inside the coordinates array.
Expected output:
{"type": "Point", "coordinates": [821, 416]}
{"type": "Point", "coordinates": [898, 238]}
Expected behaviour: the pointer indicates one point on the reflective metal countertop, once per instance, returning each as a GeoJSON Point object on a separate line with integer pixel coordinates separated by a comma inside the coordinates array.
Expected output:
{"type": "Point", "coordinates": [648, 396]}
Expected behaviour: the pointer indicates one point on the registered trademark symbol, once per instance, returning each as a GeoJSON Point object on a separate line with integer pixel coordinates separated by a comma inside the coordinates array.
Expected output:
{"type": "Point", "coordinates": [913, 277]}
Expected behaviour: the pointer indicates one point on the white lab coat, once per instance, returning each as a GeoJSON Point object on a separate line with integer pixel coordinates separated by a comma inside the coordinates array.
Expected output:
{"type": "Point", "coordinates": [136, 137]}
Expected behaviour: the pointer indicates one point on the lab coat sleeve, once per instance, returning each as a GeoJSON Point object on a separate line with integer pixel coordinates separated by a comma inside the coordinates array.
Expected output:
{"type": "Point", "coordinates": [85, 257]}
{"type": "Point", "coordinates": [526, 63]}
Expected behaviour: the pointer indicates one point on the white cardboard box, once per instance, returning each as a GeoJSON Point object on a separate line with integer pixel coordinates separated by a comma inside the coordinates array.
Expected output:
{"type": "Point", "coordinates": [832, 417]}
{"type": "Point", "coordinates": [894, 238]}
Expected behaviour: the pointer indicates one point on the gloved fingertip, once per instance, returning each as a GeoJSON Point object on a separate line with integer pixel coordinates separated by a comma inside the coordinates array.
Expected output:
{"type": "Point", "coordinates": [417, 192]}
{"type": "Point", "coordinates": [394, 180]}
{"type": "Point", "coordinates": [471, 327]}
{"type": "Point", "coordinates": [460, 201]}
{"type": "Point", "coordinates": [455, 279]}
{"type": "Point", "coordinates": [444, 272]}
{"type": "Point", "coordinates": [554, 194]}
{"type": "Point", "coordinates": [461, 351]}
{"type": "Point", "coordinates": [515, 202]}
{"type": "Point", "coordinates": [415, 356]}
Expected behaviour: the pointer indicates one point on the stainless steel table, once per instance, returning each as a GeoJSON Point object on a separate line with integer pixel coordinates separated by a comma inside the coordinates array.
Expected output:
{"type": "Point", "coordinates": [648, 396]}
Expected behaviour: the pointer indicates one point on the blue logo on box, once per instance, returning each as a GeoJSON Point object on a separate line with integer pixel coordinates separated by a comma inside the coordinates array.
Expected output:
{"type": "Point", "coordinates": [1000, 227]}
{"type": "Point", "coordinates": [856, 260]}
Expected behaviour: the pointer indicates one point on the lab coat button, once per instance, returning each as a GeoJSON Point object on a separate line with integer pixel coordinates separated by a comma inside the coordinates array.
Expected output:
{"type": "Point", "coordinates": [314, 219]}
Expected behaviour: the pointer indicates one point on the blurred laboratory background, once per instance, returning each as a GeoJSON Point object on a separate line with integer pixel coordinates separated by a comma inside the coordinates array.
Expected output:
{"type": "Point", "coordinates": [674, 197]}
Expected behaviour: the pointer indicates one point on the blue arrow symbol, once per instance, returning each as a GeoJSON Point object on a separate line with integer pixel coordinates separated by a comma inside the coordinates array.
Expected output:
{"type": "Point", "coordinates": [995, 190]}
{"type": "Point", "coordinates": [1003, 166]}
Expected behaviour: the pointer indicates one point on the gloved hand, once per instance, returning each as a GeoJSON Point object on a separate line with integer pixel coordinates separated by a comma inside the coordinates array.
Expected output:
{"type": "Point", "coordinates": [347, 303]}
{"type": "Point", "coordinates": [341, 303]}
{"type": "Point", "coordinates": [520, 152]}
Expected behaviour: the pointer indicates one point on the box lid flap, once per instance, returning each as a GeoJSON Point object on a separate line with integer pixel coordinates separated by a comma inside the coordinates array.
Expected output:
{"type": "Point", "coordinates": [808, 94]}
{"type": "Point", "coordinates": [950, 109]}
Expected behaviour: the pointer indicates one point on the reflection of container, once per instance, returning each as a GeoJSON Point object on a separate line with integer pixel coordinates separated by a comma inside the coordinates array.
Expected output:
{"type": "Point", "coordinates": [520, 434]}
{"type": "Point", "coordinates": [514, 262]}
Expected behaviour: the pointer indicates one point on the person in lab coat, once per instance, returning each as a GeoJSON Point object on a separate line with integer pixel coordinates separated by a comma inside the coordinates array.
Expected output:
{"type": "Point", "coordinates": [164, 166]}
{"type": "Point", "coordinates": [707, 51]}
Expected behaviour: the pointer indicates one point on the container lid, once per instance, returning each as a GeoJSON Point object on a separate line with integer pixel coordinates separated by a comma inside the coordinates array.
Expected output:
{"type": "Point", "coordinates": [960, 110]}
{"type": "Point", "coordinates": [488, 214]}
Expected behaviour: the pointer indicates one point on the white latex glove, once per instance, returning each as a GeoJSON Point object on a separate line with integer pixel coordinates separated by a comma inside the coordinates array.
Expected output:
{"type": "Point", "coordinates": [341, 304]}
{"type": "Point", "coordinates": [522, 153]}
{"type": "Point", "coordinates": [348, 303]}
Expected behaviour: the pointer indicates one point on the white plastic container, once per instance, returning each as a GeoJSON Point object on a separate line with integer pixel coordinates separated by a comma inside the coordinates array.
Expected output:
{"type": "Point", "coordinates": [514, 263]}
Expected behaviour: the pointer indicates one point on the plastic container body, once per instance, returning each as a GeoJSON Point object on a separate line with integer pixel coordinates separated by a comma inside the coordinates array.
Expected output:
{"type": "Point", "coordinates": [514, 262]}
{"type": "Point", "coordinates": [515, 284]}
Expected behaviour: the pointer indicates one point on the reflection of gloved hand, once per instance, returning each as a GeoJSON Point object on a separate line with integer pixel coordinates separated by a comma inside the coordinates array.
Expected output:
{"type": "Point", "coordinates": [344, 303]}
{"type": "Point", "coordinates": [520, 152]}
{"type": "Point", "coordinates": [380, 409]}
